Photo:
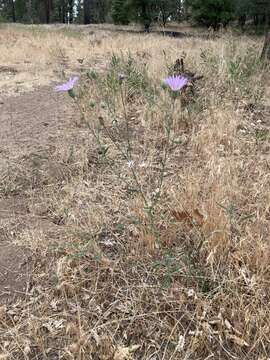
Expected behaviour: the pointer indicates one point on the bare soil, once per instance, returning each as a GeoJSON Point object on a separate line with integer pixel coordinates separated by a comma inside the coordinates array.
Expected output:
{"type": "Point", "coordinates": [29, 124]}
{"type": "Point", "coordinates": [31, 121]}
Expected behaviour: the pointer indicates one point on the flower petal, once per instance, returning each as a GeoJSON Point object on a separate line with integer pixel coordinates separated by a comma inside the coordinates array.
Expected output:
{"type": "Point", "coordinates": [68, 85]}
{"type": "Point", "coordinates": [176, 82]}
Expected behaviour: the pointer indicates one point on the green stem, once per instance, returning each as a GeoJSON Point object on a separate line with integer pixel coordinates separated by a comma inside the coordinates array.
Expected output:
{"type": "Point", "coordinates": [134, 175]}
{"type": "Point", "coordinates": [166, 153]}
{"type": "Point", "coordinates": [127, 123]}
{"type": "Point", "coordinates": [86, 122]}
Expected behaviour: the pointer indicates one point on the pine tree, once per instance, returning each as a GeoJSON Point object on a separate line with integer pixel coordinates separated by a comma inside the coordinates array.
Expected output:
{"type": "Point", "coordinates": [87, 9]}
{"type": "Point", "coordinates": [166, 9]}
{"type": "Point", "coordinates": [79, 12]}
{"type": "Point", "coordinates": [145, 11]}
{"type": "Point", "coordinates": [266, 46]}
{"type": "Point", "coordinates": [21, 10]}
{"type": "Point", "coordinates": [212, 12]}
{"type": "Point", "coordinates": [8, 11]}
{"type": "Point", "coordinates": [120, 12]}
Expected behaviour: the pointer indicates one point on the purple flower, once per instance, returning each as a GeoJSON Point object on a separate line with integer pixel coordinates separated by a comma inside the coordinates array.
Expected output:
{"type": "Point", "coordinates": [176, 83]}
{"type": "Point", "coordinates": [68, 85]}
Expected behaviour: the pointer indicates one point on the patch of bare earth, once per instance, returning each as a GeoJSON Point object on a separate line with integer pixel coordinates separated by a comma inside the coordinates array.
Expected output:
{"type": "Point", "coordinates": [14, 260]}
{"type": "Point", "coordinates": [30, 125]}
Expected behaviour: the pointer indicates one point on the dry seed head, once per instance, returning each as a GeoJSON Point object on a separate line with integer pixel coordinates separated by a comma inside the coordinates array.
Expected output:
{"type": "Point", "coordinates": [72, 329]}
{"type": "Point", "coordinates": [74, 348]}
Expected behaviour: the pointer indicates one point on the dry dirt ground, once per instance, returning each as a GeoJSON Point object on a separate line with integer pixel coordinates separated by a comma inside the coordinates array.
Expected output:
{"type": "Point", "coordinates": [32, 116]}
{"type": "Point", "coordinates": [30, 123]}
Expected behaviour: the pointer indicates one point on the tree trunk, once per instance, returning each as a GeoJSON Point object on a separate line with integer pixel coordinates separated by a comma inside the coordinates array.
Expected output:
{"type": "Point", "coordinates": [145, 17]}
{"type": "Point", "coordinates": [266, 47]}
{"type": "Point", "coordinates": [164, 18]}
{"type": "Point", "coordinates": [13, 10]}
{"type": "Point", "coordinates": [87, 11]}
{"type": "Point", "coordinates": [70, 10]}
{"type": "Point", "coordinates": [63, 11]}
{"type": "Point", "coordinates": [29, 11]}
{"type": "Point", "coordinates": [48, 5]}
{"type": "Point", "coordinates": [256, 20]}
{"type": "Point", "coordinates": [242, 21]}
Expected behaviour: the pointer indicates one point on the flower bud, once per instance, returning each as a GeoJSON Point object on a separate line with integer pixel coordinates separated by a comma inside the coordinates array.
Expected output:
{"type": "Point", "coordinates": [71, 93]}
{"type": "Point", "coordinates": [103, 105]}
{"type": "Point", "coordinates": [92, 103]}
{"type": "Point", "coordinates": [121, 77]}
{"type": "Point", "coordinates": [101, 120]}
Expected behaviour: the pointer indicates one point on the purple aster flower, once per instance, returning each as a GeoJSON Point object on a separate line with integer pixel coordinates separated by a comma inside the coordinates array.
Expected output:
{"type": "Point", "coordinates": [176, 83]}
{"type": "Point", "coordinates": [68, 85]}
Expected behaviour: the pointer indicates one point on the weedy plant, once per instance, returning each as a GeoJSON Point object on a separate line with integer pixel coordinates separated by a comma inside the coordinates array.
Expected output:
{"type": "Point", "coordinates": [123, 84]}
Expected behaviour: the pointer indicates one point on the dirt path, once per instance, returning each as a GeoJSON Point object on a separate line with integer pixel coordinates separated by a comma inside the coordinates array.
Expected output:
{"type": "Point", "coordinates": [14, 271]}
{"type": "Point", "coordinates": [29, 123]}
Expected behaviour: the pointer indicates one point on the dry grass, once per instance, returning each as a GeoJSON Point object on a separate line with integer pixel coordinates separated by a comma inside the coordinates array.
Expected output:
{"type": "Point", "coordinates": [109, 289]}
{"type": "Point", "coordinates": [33, 56]}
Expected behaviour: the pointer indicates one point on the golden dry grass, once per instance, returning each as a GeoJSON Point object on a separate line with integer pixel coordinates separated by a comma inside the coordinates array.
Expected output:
{"type": "Point", "coordinates": [103, 286]}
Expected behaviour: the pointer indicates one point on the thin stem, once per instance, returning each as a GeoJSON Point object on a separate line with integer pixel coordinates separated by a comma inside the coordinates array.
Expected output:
{"type": "Point", "coordinates": [86, 123]}
{"type": "Point", "coordinates": [127, 123]}
{"type": "Point", "coordinates": [166, 153]}
{"type": "Point", "coordinates": [127, 159]}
